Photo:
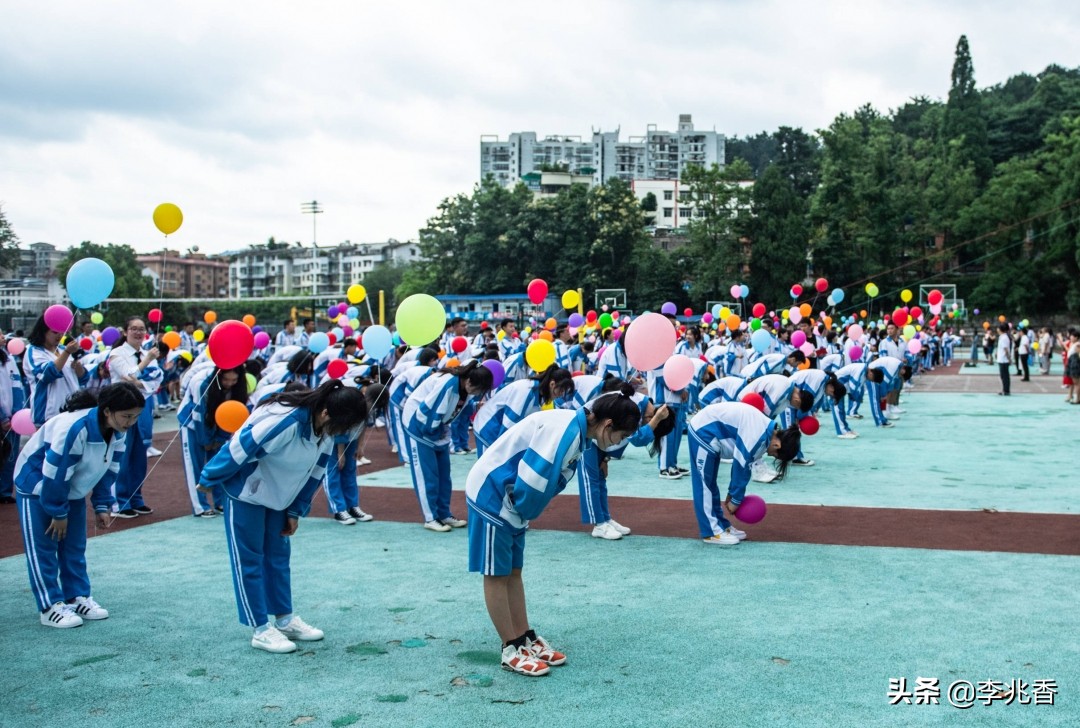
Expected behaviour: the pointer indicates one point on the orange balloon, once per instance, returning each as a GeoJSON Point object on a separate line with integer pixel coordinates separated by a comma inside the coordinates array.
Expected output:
{"type": "Point", "coordinates": [862, 313]}
{"type": "Point", "coordinates": [1001, 318]}
{"type": "Point", "coordinates": [171, 339]}
{"type": "Point", "coordinates": [231, 415]}
{"type": "Point", "coordinates": [209, 317]}
{"type": "Point", "coordinates": [805, 364]}
{"type": "Point", "coordinates": [828, 321]}
{"type": "Point", "coordinates": [733, 321]}
{"type": "Point", "coordinates": [249, 320]}
{"type": "Point", "coordinates": [452, 362]}
{"type": "Point", "coordinates": [546, 335]}
{"type": "Point", "coordinates": [986, 324]}
{"type": "Point", "coordinates": [805, 310]}
{"type": "Point", "coordinates": [720, 326]}
{"type": "Point", "coordinates": [551, 324]}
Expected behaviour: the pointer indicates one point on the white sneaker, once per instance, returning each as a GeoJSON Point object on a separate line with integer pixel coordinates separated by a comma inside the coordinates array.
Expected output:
{"type": "Point", "coordinates": [855, 416]}
{"type": "Point", "coordinates": [393, 449]}
{"type": "Point", "coordinates": [299, 630]}
{"type": "Point", "coordinates": [670, 474]}
{"type": "Point", "coordinates": [380, 422]}
{"type": "Point", "coordinates": [722, 539]}
{"type": "Point", "coordinates": [363, 461]}
{"type": "Point", "coordinates": [741, 535]}
{"type": "Point", "coordinates": [887, 424]}
{"type": "Point", "coordinates": [87, 608]}
{"type": "Point", "coordinates": [761, 472]}
{"type": "Point", "coordinates": [454, 522]}
{"type": "Point", "coordinates": [344, 518]}
{"type": "Point", "coordinates": [437, 526]}
{"type": "Point", "coordinates": [899, 410]}
{"type": "Point", "coordinates": [802, 461]}
{"type": "Point", "coordinates": [360, 515]}
{"type": "Point", "coordinates": [153, 452]}
{"type": "Point", "coordinates": [61, 615]}
{"type": "Point", "coordinates": [272, 640]}
{"type": "Point", "coordinates": [619, 527]}
{"type": "Point", "coordinates": [847, 436]}
{"type": "Point", "coordinates": [605, 531]}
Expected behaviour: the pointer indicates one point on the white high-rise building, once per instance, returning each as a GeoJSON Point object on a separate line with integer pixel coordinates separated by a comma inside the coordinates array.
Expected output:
{"type": "Point", "coordinates": [656, 155]}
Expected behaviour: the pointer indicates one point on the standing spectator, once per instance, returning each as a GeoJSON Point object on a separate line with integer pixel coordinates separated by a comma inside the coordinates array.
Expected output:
{"type": "Point", "coordinates": [1004, 357]}
{"type": "Point", "coordinates": [287, 336]}
{"type": "Point", "coordinates": [55, 374]}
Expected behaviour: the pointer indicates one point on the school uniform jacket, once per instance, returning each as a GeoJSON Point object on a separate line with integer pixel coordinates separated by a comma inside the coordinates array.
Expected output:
{"type": "Point", "coordinates": [12, 395]}
{"type": "Point", "coordinates": [49, 387]}
{"type": "Point", "coordinates": [431, 408]}
{"type": "Point", "coordinates": [735, 430]}
{"type": "Point", "coordinates": [768, 364]}
{"type": "Point", "coordinates": [811, 381]}
{"type": "Point", "coordinates": [506, 408]}
{"type": "Point", "coordinates": [724, 389]}
{"type": "Point", "coordinates": [775, 389]}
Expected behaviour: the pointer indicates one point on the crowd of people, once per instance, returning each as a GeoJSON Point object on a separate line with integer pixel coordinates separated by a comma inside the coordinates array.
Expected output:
{"type": "Point", "coordinates": [305, 415]}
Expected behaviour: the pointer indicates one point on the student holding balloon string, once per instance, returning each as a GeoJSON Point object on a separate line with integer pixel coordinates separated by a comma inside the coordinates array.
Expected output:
{"type": "Point", "coordinates": [407, 376]}
{"type": "Point", "coordinates": [340, 486]}
{"type": "Point", "coordinates": [12, 400]}
{"type": "Point", "coordinates": [53, 373]}
{"type": "Point", "coordinates": [201, 435]}
{"type": "Point", "coordinates": [738, 431]}
{"type": "Point", "coordinates": [513, 403]}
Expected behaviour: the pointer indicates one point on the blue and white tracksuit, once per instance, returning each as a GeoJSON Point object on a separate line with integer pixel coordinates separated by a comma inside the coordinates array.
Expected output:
{"type": "Point", "coordinates": [661, 395]}
{"type": "Point", "coordinates": [201, 439]}
{"type": "Point", "coordinates": [340, 486]}
{"type": "Point", "coordinates": [426, 419]}
{"type": "Point", "coordinates": [401, 386]}
{"type": "Point", "coordinates": [852, 376]}
{"type": "Point", "coordinates": [124, 366]}
{"type": "Point", "coordinates": [613, 361]}
{"type": "Point", "coordinates": [504, 409]}
{"type": "Point", "coordinates": [508, 346]}
{"type": "Point", "coordinates": [891, 369]}
{"type": "Point", "coordinates": [812, 382]}
{"type": "Point", "coordinates": [725, 389]}
{"type": "Point", "coordinates": [734, 358]}
{"type": "Point", "coordinates": [592, 483]}
{"type": "Point", "coordinates": [725, 429]}
{"type": "Point", "coordinates": [323, 359]}
{"type": "Point", "coordinates": [768, 364]}
{"type": "Point", "coordinates": [49, 387]}
{"type": "Point", "coordinates": [586, 388]}
{"type": "Point", "coordinates": [515, 480]}
{"type": "Point", "coordinates": [775, 389]}
{"type": "Point", "coordinates": [63, 461]}
{"type": "Point", "coordinates": [684, 348]}
{"type": "Point", "coordinates": [270, 470]}
{"type": "Point", "coordinates": [12, 399]}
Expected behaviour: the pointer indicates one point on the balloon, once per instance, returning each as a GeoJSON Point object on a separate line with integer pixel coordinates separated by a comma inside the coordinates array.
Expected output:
{"type": "Point", "coordinates": [909, 332]}
{"type": "Point", "coordinates": [616, 334]}
{"type": "Point", "coordinates": [807, 348]}
{"type": "Point", "coordinates": [332, 312]}
{"type": "Point", "coordinates": [154, 317]}
{"type": "Point", "coordinates": [356, 293]}
{"type": "Point", "coordinates": [759, 309]}
{"type": "Point", "coordinates": [934, 297]}
{"type": "Point", "coordinates": [209, 317]}
{"type": "Point", "coordinates": [798, 338]}
{"type": "Point", "coordinates": [754, 400]}
{"type": "Point", "coordinates": [916, 312]}
{"type": "Point", "coordinates": [855, 332]}
{"type": "Point", "coordinates": [498, 373]}
{"type": "Point", "coordinates": [537, 290]}
{"type": "Point", "coordinates": [606, 321]}
{"type": "Point", "coordinates": [688, 312]}
{"type": "Point", "coordinates": [794, 314]}
{"type": "Point", "coordinates": [199, 335]}
{"type": "Point", "coordinates": [678, 371]}
{"type": "Point", "coordinates": [905, 295]}
{"type": "Point", "coordinates": [668, 309]}
{"type": "Point", "coordinates": [837, 295]}
{"type": "Point", "coordinates": [820, 285]}
{"type": "Point", "coordinates": [22, 422]}
{"type": "Point", "coordinates": [855, 353]}
{"type": "Point", "coordinates": [551, 323]}
{"type": "Point", "coordinates": [935, 308]}
{"type": "Point", "coordinates": [110, 336]}
{"type": "Point", "coordinates": [16, 346]}
{"type": "Point", "coordinates": [336, 368]}
{"type": "Point", "coordinates": [707, 318]}
{"type": "Point", "coordinates": [744, 291]}
{"type": "Point", "coordinates": [805, 309]}
{"type": "Point", "coordinates": [168, 218]}
{"type": "Point", "coordinates": [736, 291]}
{"type": "Point", "coordinates": [809, 425]}
{"type": "Point", "coordinates": [914, 346]}
{"type": "Point", "coordinates": [733, 322]}
{"type": "Point", "coordinates": [420, 319]}
{"type": "Point", "coordinates": [252, 383]}
{"type": "Point", "coordinates": [96, 318]}
{"type": "Point", "coordinates": [751, 510]}
{"type": "Point", "coordinates": [590, 316]}
{"type": "Point", "coordinates": [89, 282]}
{"type": "Point", "coordinates": [378, 341]}
{"type": "Point", "coordinates": [540, 355]}
{"type": "Point", "coordinates": [755, 324]}
{"type": "Point", "coordinates": [545, 335]}
{"type": "Point", "coordinates": [900, 317]}
{"type": "Point", "coordinates": [317, 343]}
{"type": "Point", "coordinates": [649, 341]}
{"type": "Point", "coordinates": [570, 299]}
{"type": "Point", "coordinates": [171, 340]}
{"type": "Point", "coordinates": [58, 318]}
{"type": "Point", "coordinates": [872, 290]}
{"type": "Point", "coordinates": [576, 320]}
{"type": "Point", "coordinates": [231, 415]}
{"type": "Point", "coordinates": [761, 341]}
{"type": "Point", "coordinates": [86, 344]}
{"type": "Point", "coordinates": [231, 343]}
{"type": "Point", "coordinates": [331, 336]}
{"type": "Point", "coordinates": [796, 290]}
{"type": "Point", "coordinates": [261, 340]}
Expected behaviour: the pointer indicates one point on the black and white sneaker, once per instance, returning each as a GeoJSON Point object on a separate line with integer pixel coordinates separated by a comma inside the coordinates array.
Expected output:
{"type": "Point", "coordinates": [670, 474]}
{"type": "Point", "coordinates": [127, 513]}
{"type": "Point", "coordinates": [359, 515]}
{"type": "Point", "coordinates": [87, 608]}
{"type": "Point", "coordinates": [143, 510]}
{"type": "Point", "coordinates": [344, 518]}
{"type": "Point", "coordinates": [62, 616]}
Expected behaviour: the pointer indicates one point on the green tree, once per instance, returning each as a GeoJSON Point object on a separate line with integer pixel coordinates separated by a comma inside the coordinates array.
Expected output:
{"type": "Point", "coordinates": [718, 233]}
{"type": "Point", "coordinates": [780, 237]}
{"type": "Point", "coordinates": [964, 120]}
{"type": "Point", "coordinates": [9, 243]}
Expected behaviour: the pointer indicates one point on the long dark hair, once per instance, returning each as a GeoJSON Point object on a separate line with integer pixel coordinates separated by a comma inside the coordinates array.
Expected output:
{"type": "Point", "coordinates": [113, 397]}
{"type": "Point", "coordinates": [473, 373]}
{"type": "Point", "coordinates": [662, 430]}
{"type": "Point", "coordinates": [345, 405]}
{"type": "Point", "coordinates": [790, 441]}
{"type": "Point", "coordinates": [839, 390]}
{"type": "Point", "coordinates": [216, 394]}
{"type": "Point", "coordinates": [552, 377]}
{"type": "Point", "coordinates": [37, 334]}
{"type": "Point", "coordinates": [302, 362]}
{"type": "Point", "coordinates": [619, 408]}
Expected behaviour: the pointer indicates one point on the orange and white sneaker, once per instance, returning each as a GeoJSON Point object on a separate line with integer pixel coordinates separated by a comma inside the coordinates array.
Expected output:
{"type": "Point", "coordinates": [543, 651]}
{"type": "Point", "coordinates": [521, 660]}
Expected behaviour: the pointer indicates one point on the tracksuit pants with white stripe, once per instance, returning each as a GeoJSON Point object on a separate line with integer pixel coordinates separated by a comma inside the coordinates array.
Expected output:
{"type": "Point", "coordinates": [133, 468]}
{"type": "Point", "coordinates": [430, 468]}
{"type": "Point", "coordinates": [592, 487]}
{"type": "Point", "coordinates": [195, 459]}
{"type": "Point", "coordinates": [7, 467]}
{"type": "Point", "coordinates": [708, 503]}
{"type": "Point", "coordinates": [342, 492]}
{"type": "Point", "coordinates": [459, 428]}
{"type": "Point", "coordinates": [790, 416]}
{"type": "Point", "coordinates": [670, 443]}
{"type": "Point", "coordinates": [57, 568]}
{"type": "Point", "coordinates": [259, 556]}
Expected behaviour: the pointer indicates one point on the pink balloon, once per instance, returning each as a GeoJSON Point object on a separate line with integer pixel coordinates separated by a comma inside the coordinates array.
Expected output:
{"type": "Point", "coordinates": [914, 346]}
{"type": "Point", "coordinates": [649, 341]}
{"type": "Point", "coordinates": [262, 340]}
{"type": "Point", "coordinates": [855, 332]}
{"type": "Point", "coordinates": [23, 422]}
{"type": "Point", "coordinates": [855, 353]}
{"type": "Point", "coordinates": [751, 510]}
{"type": "Point", "coordinates": [736, 291]}
{"type": "Point", "coordinates": [58, 318]}
{"type": "Point", "coordinates": [707, 318]}
{"type": "Point", "coordinates": [16, 346]}
{"type": "Point", "coordinates": [616, 334]}
{"type": "Point", "coordinates": [678, 371]}
{"type": "Point", "coordinates": [798, 338]}
{"type": "Point", "coordinates": [807, 348]}
{"type": "Point", "coordinates": [794, 314]}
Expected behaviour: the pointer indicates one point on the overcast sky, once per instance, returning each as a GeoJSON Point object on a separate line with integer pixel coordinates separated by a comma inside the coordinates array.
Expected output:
{"type": "Point", "coordinates": [239, 111]}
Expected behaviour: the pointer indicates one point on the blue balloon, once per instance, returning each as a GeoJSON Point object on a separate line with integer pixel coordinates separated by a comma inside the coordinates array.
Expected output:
{"type": "Point", "coordinates": [89, 282]}
{"type": "Point", "coordinates": [668, 309]}
{"type": "Point", "coordinates": [352, 312]}
{"type": "Point", "coordinates": [837, 295]}
{"type": "Point", "coordinates": [745, 290]}
{"type": "Point", "coordinates": [716, 311]}
{"type": "Point", "coordinates": [338, 333]}
{"type": "Point", "coordinates": [377, 341]}
{"type": "Point", "coordinates": [318, 342]}
{"type": "Point", "coordinates": [761, 341]}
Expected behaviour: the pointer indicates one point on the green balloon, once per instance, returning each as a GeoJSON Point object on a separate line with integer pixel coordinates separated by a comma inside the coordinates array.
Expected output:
{"type": "Point", "coordinates": [606, 321]}
{"type": "Point", "coordinates": [420, 319]}
{"type": "Point", "coordinates": [755, 324]}
{"type": "Point", "coordinates": [252, 383]}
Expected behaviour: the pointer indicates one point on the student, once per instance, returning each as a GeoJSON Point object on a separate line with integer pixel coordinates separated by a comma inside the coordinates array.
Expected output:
{"type": "Point", "coordinates": [200, 436]}
{"type": "Point", "coordinates": [12, 399]}
{"type": "Point", "coordinates": [724, 389]}
{"type": "Point", "coordinates": [77, 452]}
{"type": "Point", "coordinates": [691, 345]}
{"type": "Point", "coordinates": [852, 377]}
{"type": "Point", "coordinates": [510, 485]}
{"type": "Point", "coordinates": [741, 432]}
{"type": "Point", "coordinates": [510, 405]}
{"type": "Point", "coordinates": [883, 375]}
{"type": "Point", "coordinates": [407, 376]}
{"type": "Point", "coordinates": [54, 374]}
{"type": "Point", "coordinates": [426, 419]}
{"type": "Point", "coordinates": [814, 385]}
{"type": "Point", "coordinates": [667, 458]}
{"type": "Point", "coordinates": [270, 471]}
{"type": "Point", "coordinates": [287, 336]}
{"type": "Point", "coordinates": [342, 491]}
{"type": "Point", "coordinates": [775, 363]}
{"type": "Point", "coordinates": [735, 355]}
{"type": "Point", "coordinates": [613, 362]}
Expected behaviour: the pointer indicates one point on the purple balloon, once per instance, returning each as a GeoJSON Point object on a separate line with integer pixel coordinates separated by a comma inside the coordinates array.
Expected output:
{"type": "Point", "coordinates": [668, 309]}
{"type": "Point", "coordinates": [110, 336]}
{"type": "Point", "coordinates": [576, 320]}
{"type": "Point", "coordinates": [256, 329]}
{"type": "Point", "coordinates": [498, 374]}
{"type": "Point", "coordinates": [332, 312]}
{"type": "Point", "coordinates": [751, 510]}
{"type": "Point", "coordinates": [262, 340]}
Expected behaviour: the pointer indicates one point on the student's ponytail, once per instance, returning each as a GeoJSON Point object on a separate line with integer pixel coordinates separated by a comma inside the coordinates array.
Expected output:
{"type": "Point", "coordinates": [619, 408]}
{"type": "Point", "coordinates": [553, 377]}
{"type": "Point", "coordinates": [839, 391]}
{"type": "Point", "coordinates": [790, 442]}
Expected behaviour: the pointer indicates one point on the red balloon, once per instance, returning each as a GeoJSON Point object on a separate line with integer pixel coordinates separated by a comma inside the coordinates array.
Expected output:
{"type": "Point", "coordinates": [754, 400]}
{"type": "Point", "coordinates": [900, 317]}
{"type": "Point", "coordinates": [809, 425]}
{"type": "Point", "coordinates": [230, 343]}
{"type": "Point", "coordinates": [483, 325]}
{"type": "Point", "coordinates": [935, 297]}
{"type": "Point", "coordinates": [590, 316]}
{"type": "Point", "coordinates": [759, 309]}
{"type": "Point", "coordinates": [537, 291]}
{"type": "Point", "coordinates": [333, 339]}
{"type": "Point", "coordinates": [796, 289]}
{"type": "Point", "coordinates": [155, 316]}
{"type": "Point", "coordinates": [916, 312]}
{"type": "Point", "coordinates": [337, 368]}
{"type": "Point", "coordinates": [821, 285]}
{"type": "Point", "coordinates": [688, 312]}
{"type": "Point", "coordinates": [459, 344]}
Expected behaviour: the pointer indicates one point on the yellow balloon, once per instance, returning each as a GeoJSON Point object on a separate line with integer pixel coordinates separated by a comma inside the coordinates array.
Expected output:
{"type": "Point", "coordinates": [500, 335]}
{"type": "Point", "coordinates": [356, 293]}
{"type": "Point", "coordinates": [905, 295]}
{"type": "Point", "coordinates": [570, 300]}
{"type": "Point", "coordinates": [198, 335]}
{"type": "Point", "coordinates": [724, 313]}
{"type": "Point", "coordinates": [168, 218]}
{"type": "Point", "coordinates": [540, 355]}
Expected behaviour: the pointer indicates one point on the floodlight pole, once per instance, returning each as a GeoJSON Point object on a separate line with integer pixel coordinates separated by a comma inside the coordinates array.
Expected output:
{"type": "Point", "coordinates": [312, 208]}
